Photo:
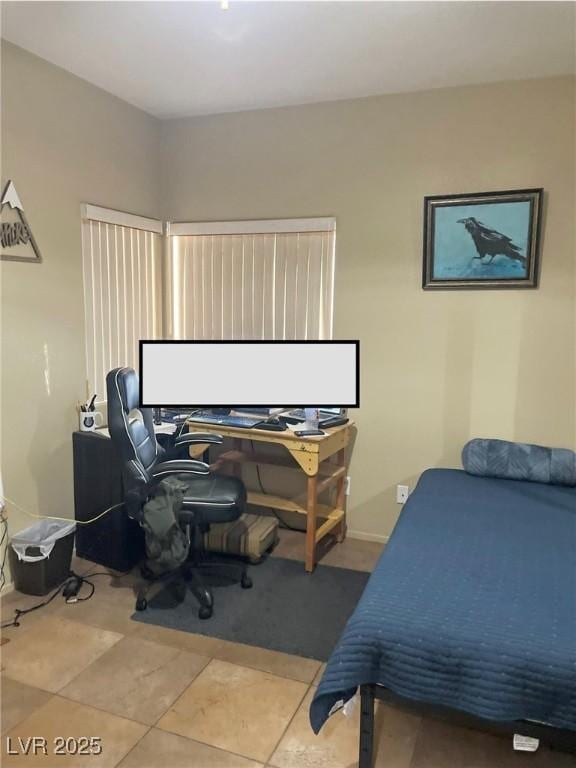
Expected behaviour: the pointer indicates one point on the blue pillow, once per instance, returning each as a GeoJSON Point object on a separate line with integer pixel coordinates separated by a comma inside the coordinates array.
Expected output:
{"type": "Point", "coordinates": [519, 461]}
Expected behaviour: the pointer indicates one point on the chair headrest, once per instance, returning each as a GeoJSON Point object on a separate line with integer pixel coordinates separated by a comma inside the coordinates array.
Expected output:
{"type": "Point", "coordinates": [123, 387]}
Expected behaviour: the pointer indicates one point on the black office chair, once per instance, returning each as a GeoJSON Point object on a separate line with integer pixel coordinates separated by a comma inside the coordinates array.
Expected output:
{"type": "Point", "coordinates": [210, 498]}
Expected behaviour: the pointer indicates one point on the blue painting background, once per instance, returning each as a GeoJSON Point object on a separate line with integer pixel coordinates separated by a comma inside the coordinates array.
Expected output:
{"type": "Point", "coordinates": [454, 248]}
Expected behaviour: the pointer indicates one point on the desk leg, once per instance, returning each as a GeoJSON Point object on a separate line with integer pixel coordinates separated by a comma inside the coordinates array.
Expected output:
{"type": "Point", "coordinates": [341, 497]}
{"type": "Point", "coordinates": [311, 523]}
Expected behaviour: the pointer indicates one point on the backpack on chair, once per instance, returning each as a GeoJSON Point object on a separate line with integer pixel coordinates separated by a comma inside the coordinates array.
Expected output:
{"type": "Point", "coordinates": [167, 545]}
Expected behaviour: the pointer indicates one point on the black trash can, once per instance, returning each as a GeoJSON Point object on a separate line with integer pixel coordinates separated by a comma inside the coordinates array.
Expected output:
{"type": "Point", "coordinates": [41, 555]}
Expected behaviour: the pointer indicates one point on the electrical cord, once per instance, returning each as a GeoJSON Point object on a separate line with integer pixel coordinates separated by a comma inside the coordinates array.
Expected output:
{"type": "Point", "coordinates": [185, 422]}
{"type": "Point", "coordinates": [176, 433]}
{"type": "Point", "coordinates": [179, 433]}
{"type": "Point", "coordinates": [3, 543]}
{"type": "Point", "coordinates": [67, 519]}
{"type": "Point", "coordinates": [22, 612]}
{"type": "Point", "coordinates": [72, 576]}
{"type": "Point", "coordinates": [114, 574]}
{"type": "Point", "coordinates": [283, 523]}
{"type": "Point", "coordinates": [73, 580]}
{"type": "Point", "coordinates": [92, 590]}
{"type": "Point", "coordinates": [63, 519]}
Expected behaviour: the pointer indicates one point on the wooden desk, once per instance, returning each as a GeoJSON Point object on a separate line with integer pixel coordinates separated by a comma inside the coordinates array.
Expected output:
{"type": "Point", "coordinates": [322, 459]}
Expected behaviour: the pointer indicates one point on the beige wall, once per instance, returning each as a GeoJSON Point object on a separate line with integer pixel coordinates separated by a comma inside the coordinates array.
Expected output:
{"type": "Point", "coordinates": [63, 142]}
{"type": "Point", "coordinates": [437, 368]}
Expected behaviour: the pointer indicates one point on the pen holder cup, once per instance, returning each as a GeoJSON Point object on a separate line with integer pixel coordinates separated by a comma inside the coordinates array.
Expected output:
{"type": "Point", "coordinates": [88, 420]}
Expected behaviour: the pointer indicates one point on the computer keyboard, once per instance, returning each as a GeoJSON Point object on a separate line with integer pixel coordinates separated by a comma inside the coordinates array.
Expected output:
{"type": "Point", "coordinates": [226, 420]}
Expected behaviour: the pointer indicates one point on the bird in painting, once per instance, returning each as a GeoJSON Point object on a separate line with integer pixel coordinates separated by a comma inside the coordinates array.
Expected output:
{"type": "Point", "coordinates": [490, 242]}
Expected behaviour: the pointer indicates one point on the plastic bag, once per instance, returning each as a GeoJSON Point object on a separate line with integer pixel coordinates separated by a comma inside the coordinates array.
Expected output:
{"type": "Point", "coordinates": [42, 535]}
{"type": "Point", "coordinates": [350, 706]}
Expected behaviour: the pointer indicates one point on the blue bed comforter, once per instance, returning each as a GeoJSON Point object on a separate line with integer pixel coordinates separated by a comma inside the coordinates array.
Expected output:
{"type": "Point", "coordinates": [472, 604]}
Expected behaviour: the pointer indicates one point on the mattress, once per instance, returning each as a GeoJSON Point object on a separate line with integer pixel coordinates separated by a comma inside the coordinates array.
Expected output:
{"type": "Point", "coordinates": [472, 605]}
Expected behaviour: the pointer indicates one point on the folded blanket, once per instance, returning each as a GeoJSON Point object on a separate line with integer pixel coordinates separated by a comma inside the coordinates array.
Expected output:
{"type": "Point", "coordinates": [519, 461]}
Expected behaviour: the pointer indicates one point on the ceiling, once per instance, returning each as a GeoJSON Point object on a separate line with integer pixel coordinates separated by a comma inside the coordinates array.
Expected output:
{"type": "Point", "coordinates": [175, 59]}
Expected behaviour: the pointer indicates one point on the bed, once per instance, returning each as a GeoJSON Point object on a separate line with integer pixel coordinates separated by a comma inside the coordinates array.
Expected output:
{"type": "Point", "coordinates": [471, 609]}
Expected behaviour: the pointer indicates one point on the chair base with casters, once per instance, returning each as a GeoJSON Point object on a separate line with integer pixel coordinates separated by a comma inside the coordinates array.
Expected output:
{"type": "Point", "coordinates": [190, 575]}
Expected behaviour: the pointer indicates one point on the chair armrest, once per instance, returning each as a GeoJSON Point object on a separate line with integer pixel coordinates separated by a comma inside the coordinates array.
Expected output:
{"type": "Point", "coordinates": [179, 467]}
{"type": "Point", "coordinates": [191, 438]}
{"type": "Point", "coordinates": [181, 444]}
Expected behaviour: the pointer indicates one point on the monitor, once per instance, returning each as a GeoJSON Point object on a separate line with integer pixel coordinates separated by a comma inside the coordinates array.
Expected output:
{"type": "Point", "coordinates": [248, 374]}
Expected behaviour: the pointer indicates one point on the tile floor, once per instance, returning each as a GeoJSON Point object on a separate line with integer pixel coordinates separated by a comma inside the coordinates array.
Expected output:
{"type": "Point", "coordinates": [160, 698]}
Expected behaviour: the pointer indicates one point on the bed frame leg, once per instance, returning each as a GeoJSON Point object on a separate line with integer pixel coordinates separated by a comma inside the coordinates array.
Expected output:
{"type": "Point", "coordinates": [366, 757]}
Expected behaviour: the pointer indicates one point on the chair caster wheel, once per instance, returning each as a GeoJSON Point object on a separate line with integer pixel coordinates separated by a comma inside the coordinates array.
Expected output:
{"type": "Point", "coordinates": [246, 582]}
{"type": "Point", "coordinates": [141, 604]}
{"type": "Point", "coordinates": [205, 612]}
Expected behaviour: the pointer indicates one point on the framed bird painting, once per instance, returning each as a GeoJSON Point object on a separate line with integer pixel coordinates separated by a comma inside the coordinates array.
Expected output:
{"type": "Point", "coordinates": [483, 240]}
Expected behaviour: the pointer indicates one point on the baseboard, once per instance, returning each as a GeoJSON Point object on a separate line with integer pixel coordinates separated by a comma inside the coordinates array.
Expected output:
{"type": "Point", "coordinates": [363, 536]}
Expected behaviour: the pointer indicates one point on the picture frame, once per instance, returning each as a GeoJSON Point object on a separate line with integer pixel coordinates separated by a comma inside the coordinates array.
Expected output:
{"type": "Point", "coordinates": [483, 240]}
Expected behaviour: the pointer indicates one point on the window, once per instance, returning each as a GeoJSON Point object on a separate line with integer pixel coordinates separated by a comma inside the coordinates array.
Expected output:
{"type": "Point", "coordinates": [223, 280]}
{"type": "Point", "coordinates": [122, 262]}
{"type": "Point", "coordinates": [252, 279]}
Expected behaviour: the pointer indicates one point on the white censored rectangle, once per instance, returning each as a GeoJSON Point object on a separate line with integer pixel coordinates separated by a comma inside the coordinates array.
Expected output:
{"type": "Point", "coordinates": [249, 373]}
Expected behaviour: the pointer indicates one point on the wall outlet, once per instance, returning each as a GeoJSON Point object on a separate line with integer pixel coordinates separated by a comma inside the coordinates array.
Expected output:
{"type": "Point", "coordinates": [402, 492]}
{"type": "Point", "coordinates": [347, 485]}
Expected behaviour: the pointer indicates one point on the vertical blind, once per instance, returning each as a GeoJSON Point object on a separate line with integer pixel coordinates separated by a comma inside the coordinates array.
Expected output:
{"type": "Point", "coordinates": [252, 285]}
{"type": "Point", "coordinates": [122, 262]}
{"type": "Point", "coordinates": [221, 280]}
